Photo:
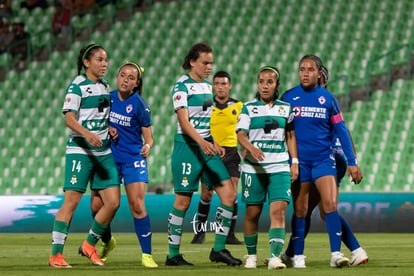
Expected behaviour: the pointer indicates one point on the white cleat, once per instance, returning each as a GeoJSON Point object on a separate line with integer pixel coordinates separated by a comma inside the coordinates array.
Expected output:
{"type": "Point", "coordinates": [358, 256]}
{"type": "Point", "coordinates": [275, 263]}
{"type": "Point", "coordinates": [339, 260]}
{"type": "Point", "coordinates": [251, 261]}
{"type": "Point", "coordinates": [298, 261]}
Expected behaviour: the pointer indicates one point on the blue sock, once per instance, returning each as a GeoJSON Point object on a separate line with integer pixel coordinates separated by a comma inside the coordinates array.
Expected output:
{"type": "Point", "coordinates": [348, 236]}
{"type": "Point", "coordinates": [298, 235]}
{"type": "Point", "coordinates": [143, 231]}
{"type": "Point", "coordinates": [334, 229]}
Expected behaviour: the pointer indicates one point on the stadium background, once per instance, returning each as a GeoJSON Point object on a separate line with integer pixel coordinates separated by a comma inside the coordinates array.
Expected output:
{"type": "Point", "coordinates": [367, 46]}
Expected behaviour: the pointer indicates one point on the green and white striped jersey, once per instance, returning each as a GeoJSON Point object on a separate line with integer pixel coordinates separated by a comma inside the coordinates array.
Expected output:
{"type": "Point", "coordinates": [197, 97]}
{"type": "Point", "coordinates": [90, 102]}
{"type": "Point", "coordinates": [265, 126]}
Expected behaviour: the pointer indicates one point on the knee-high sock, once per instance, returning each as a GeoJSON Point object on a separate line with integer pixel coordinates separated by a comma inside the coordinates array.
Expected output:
{"type": "Point", "coordinates": [59, 235]}
{"type": "Point", "coordinates": [276, 241]}
{"type": "Point", "coordinates": [223, 222]}
{"type": "Point", "coordinates": [96, 232]}
{"type": "Point", "coordinates": [334, 229]}
{"type": "Point", "coordinates": [175, 231]}
{"type": "Point", "coordinates": [251, 243]}
{"type": "Point", "coordinates": [298, 235]}
{"type": "Point", "coordinates": [202, 213]}
{"type": "Point", "coordinates": [234, 219]}
{"type": "Point", "coordinates": [348, 237]}
{"type": "Point", "coordinates": [143, 230]}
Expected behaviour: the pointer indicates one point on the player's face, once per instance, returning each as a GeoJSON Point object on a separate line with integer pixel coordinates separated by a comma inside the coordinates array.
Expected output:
{"type": "Point", "coordinates": [222, 88]}
{"type": "Point", "coordinates": [97, 64]}
{"type": "Point", "coordinates": [127, 79]}
{"type": "Point", "coordinates": [309, 74]}
{"type": "Point", "coordinates": [267, 83]}
{"type": "Point", "coordinates": [201, 67]}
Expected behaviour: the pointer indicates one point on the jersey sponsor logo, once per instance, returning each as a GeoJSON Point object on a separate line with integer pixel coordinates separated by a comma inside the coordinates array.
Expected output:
{"type": "Point", "coordinates": [68, 99]}
{"type": "Point", "coordinates": [270, 125]}
{"type": "Point", "coordinates": [309, 112]}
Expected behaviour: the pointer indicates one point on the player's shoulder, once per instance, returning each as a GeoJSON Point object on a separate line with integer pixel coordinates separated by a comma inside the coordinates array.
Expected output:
{"type": "Point", "coordinates": [290, 92]}
{"type": "Point", "coordinates": [281, 102]}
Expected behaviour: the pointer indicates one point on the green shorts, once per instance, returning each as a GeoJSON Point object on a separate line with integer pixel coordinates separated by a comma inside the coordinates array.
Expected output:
{"type": "Point", "coordinates": [80, 169]}
{"type": "Point", "coordinates": [255, 187]}
{"type": "Point", "coordinates": [189, 165]}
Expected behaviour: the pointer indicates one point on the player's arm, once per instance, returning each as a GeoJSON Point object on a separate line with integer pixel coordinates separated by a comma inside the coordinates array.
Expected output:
{"type": "Point", "coordinates": [71, 122]}
{"type": "Point", "coordinates": [293, 151]}
{"type": "Point", "coordinates": [245, 143]}
{"type": "Point", "coordinates": [148, 140]}
{"type": "Point", "coordinates": [182, 116]}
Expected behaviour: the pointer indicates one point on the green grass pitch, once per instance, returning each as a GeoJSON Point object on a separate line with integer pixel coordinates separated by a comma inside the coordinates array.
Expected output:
{"type": "Point", "coordinates": [27, 254]}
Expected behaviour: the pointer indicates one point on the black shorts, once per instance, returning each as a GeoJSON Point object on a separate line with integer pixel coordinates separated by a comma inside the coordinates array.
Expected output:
{"type": "Point", "coordinates": [232, 161]}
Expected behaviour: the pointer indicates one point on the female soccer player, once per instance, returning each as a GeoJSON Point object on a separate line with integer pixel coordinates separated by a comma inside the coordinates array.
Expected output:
{"type": "Point", "coordinates": [88, 155]}
{"type": "Point", "coordinates": [317, 118]}
{"type": "Point", "coordinates": [196, 155]}
{"type": "Point", "coordinates": [265, 131]}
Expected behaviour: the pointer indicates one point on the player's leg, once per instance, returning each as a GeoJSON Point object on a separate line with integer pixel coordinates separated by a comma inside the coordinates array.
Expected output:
{"type": "Point", "coordinates": [77, 171]}
{"type": "Point", "coordinates": [278, 191]}
{"type": "Point", "coordinates": [186, 169]}
{"type": "Point", "coordinates": [202, 214]}
{"type": "Point", "coordinates": [106, 182]}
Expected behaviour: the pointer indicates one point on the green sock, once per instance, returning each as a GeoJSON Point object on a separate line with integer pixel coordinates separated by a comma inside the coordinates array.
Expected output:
{"type": "Point", "coordinates": [223, 222]}
{"type": "Point", "coordinates": [96, 232]}
{"type": "Point", "coordinates": [276, 241]}
{"type": "Point", "coordinates": [175, 231]}
{"type": "Point", "coordinates": [251, 243]}
{"type": "Point", "coordinates": [59, 234]}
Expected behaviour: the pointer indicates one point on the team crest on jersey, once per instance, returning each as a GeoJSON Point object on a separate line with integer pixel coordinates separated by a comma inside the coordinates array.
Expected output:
{"type": "Point", "coordinates": [129, 108]}
{"type": "Point", "coordinates": [234, 112]}
{"type": "Point", "coordinates": [68, 99]}
{"type": "Point", "coordinates": [177, 97]}
{"type": "Point", "coordinates": [74, 179]}
{"type": "Point", "coordinates": [322, 100]}
{"type": "Point", "coordinates": [296, 111]}
{"type": "Point", "coordinates": [282, 110]}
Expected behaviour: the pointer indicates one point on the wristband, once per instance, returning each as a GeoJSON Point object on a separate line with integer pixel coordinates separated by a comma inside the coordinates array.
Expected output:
{"type": "Point", "coordinates": [147, 145]}
{"type": "Point", "coordinates": [295, 160]}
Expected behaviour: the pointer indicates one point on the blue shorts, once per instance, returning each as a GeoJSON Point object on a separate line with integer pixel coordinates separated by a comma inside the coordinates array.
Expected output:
{"type": "Point", "coordinates": [310, 170]}
{"type": "Point", "coordinates": [135, 171]}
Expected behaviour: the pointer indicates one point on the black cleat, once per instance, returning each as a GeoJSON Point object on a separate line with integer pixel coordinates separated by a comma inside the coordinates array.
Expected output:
{"type": "Point", "coordinates": [199, 238]}
{"type": "Point", "coordinates": [224, 256]}
{"type": "Point", "coordinates": [232, 239]}
{"type": "Point", "coordinates": [177, 261]}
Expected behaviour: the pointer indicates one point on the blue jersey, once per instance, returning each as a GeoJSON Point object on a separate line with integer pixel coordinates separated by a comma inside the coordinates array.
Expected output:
{"type": "Point", "coordinates": [317, 118]}
{"type": "Point", "coordinates": [128, 116]}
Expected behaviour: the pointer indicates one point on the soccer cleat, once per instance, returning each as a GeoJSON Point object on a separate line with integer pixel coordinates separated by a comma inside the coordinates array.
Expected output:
{"type": "Point", "coordinates": [251, 261]}
{"type": "Point", "coordinates": [232, 239]}
{"type": "Point", "coordinates": [298, 261]}
{"type": "Point", "coordinates": [224, 256]}
{"type": "Point", "coordinates": [275, 263]}
{"type": "Point", "coordinates": [199, 238]}
{"type": "Point", "coordinates": [106, 248]}
{"type": "Point", "coordinates": [148, 261]}
{"type": "Point", "coordinates": [58, 261]}
{"type": "Point", "coordinates": [358, 256]}
{"type": "Point", "coordinates": [287, 260]}
{"type": "Point", "coordinates": [89, 251]}
{"type": "Point", "coordinates": [177, 261]}
{"type": "Point", "coordinates": [339, 260]}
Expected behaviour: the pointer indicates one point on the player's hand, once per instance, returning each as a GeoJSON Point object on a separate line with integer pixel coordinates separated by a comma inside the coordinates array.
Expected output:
{"type": "Point", "coordinates": [94, 140]}
{"type": "Point", "coordinates": [207, 147]}
{"type": "Point", "coordinates": [257, 154]}
{"type": "Point", "coordinates": [221, 151]}
{"type": "Point", "coordinates": [113, 133]}
{"type": "Point", "coordinates": [294, 172]}
{"type": "Point", "coordinates": [145, 150]}
{"type": "Point", "coordinates": [355, 173]}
